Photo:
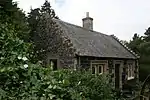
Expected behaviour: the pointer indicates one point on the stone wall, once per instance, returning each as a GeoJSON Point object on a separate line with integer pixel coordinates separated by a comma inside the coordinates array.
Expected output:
{"type": "Point", "coordinates": [85, 62]}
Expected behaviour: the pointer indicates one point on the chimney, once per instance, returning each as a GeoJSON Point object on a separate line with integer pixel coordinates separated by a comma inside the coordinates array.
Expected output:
{"type": "Point", "coordinates": [88, 22]}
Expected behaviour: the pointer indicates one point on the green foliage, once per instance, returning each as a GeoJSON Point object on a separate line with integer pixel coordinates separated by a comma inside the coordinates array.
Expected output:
{"type": "Point", "coordinates": [10, 13]}
{"type": "Point", "coordinates": [38, 83]}
{"type": "Point", "coordinates": [147, 33]}
{"type": "Point", "coordinates": [135, 42]}
{"type": "Point", "coordinates": [12, 45]}
{"type": "Point", "coordinates": [33, 18]}
{"type": "Point", "coordinates": [144, 71]}
{"type": "Point", "coordinates": [46, 8]}
{"type": "Point", "coordinates": [90, 87]}
{"type": "Point", "coordinates": [35, 14]}
{"type": "Point", "coordinates": [141, 45]}
{"type": "Point", "coordinates": [39, 34]}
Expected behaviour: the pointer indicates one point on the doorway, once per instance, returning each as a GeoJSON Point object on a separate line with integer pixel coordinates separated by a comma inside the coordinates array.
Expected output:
{"type": "Point", "coordinates": [117, 76]}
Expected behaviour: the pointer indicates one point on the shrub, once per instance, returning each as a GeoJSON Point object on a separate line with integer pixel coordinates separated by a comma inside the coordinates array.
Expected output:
{"type": "Point", "coordinates": [36, 82]}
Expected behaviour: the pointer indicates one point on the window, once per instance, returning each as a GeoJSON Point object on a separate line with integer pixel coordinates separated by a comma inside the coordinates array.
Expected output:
{"type": "Point", "coordinates": [98, 68]}
{"type": "Point", "coordinates": [75, 64]}
{"type": "Point", "coordinates": [53, 64]}
{"type": "Point", "coordinates": [130, 71]}
{"type": "Point", "coordinates": [93, 70]}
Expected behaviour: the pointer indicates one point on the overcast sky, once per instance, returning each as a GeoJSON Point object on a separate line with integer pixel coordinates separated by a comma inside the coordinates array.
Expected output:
{"type": "Point", "coordinates": [122, 18]}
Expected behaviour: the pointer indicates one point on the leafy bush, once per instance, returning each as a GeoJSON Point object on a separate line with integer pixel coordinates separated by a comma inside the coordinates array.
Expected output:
{"type": "Point", "coordinates": [11, 46]}
{"type": "Point", "coordinates": [36, 82]}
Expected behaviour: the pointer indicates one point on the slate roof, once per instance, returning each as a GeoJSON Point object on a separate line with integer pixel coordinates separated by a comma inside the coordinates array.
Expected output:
{"type": "Point", "coordinates": [92, 43]}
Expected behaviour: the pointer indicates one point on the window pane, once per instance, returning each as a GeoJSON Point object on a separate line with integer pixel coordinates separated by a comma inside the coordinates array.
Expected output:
{"type": "Point", "coordinates": [103, 68]}
{"type": "Point", "coordinates": [130, 73]}
{"type": "Point", "coordinates": [93, 70]}
{"type": "Point", "coordinates": [100, 69]}
{"type": "Point", "coordinates": [130, 70]}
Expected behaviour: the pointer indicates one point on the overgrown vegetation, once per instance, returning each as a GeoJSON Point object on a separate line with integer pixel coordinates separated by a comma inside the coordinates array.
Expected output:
{"type": "Point", "coordinates": [141, 45]}
{"type": "Point", "coordinates": [23, 78]}
{"type": "Point", "coordinates": [37, 83]}
{"type": "Point", "coordinates": [43, 30]}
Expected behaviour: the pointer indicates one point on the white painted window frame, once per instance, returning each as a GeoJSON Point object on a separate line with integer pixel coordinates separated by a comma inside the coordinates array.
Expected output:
{"type": "Point", "coordinates": [131, 69]}
{"type": "Point", "coordinates": [103, 64]}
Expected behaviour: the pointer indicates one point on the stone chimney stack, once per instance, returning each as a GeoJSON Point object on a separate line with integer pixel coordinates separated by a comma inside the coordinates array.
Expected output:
{"type": "Point", "coordinates": [88, 22]}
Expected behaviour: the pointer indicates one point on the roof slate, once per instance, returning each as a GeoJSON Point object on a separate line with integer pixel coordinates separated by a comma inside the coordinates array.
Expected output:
{"type": "Point", "coordinates": [92, 43]}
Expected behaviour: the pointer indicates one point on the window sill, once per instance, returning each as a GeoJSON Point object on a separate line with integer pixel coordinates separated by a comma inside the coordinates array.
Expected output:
{"type": "Point", "coordinates": [130, 78]}
{"type": "Point", "coordinates": [97, 73]}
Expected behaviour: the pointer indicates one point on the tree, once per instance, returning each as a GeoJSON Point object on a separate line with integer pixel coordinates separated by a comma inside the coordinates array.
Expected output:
{"type": "Point", "coordinates": [42, 26]}
{"type": "Point", "coordinates": [141, 45]}
{"type": "Point", "coordinates": [147, 33]}
{"type": "Point", "coordinates": [135, 37]}
{"type": "Point", "coordinates": [124, 42]}
{"type": "Point", "coordinates": [46, 8]}
{"type": "Point", "coordinates": [146, 45]}
{"type": "Point", "coordinates": [135, 42]}
{"type": "Point", "coordinates": [13, 29]}
{"type": "Point", "coordinates": [35, 15]}
{"type": "Point", "coordinates": [33, 19]}
{"type": "Point", "coordinates": [9, 8]}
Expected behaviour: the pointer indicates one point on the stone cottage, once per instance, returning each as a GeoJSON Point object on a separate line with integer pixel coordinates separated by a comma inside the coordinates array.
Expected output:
{"type": "Point", "coordinates": [84, 48]}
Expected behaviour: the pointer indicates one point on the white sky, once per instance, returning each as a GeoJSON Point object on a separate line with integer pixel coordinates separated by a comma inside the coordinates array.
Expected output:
{"type": "Point", "coordinates": [122, 18]}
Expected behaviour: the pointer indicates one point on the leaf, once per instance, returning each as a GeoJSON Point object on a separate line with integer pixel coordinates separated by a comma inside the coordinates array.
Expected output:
{"type": "Point", "coordinates": [50, 86]}
{"type": "Point", "coordinates": [51, 96]}
{"type": "Point", "coordinates": [66, 82]}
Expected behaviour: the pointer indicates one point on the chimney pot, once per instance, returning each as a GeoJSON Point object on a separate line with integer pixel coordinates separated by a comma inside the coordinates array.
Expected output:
{"type": "Point", "coordinates": [87, 14]}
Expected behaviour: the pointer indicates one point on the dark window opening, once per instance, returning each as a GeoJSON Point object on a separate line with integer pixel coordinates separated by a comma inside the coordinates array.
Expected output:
{"type": "Point", "coordinates": [117, 75]}
{"type": "Point", "coordinates": [53, 64]}
{"type": "Point", "coordinates": [93, 70]}
{"type": "Point", "coordinates": [100, 69]}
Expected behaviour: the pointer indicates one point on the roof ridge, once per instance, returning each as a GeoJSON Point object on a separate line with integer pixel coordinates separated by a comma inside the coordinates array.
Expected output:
{"type": "Point", "coordinates": [124, 45]}
{"type": "Point", "coordinates": [82, 27]}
